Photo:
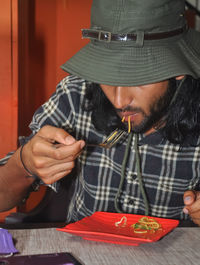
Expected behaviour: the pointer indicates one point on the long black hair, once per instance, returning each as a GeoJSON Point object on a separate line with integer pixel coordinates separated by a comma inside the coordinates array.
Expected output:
{"type": "Point", "coordinates": [180, 123]}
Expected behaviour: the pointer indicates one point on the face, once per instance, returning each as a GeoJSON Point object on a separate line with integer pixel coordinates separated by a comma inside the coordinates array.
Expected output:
{"type": "Point", "coordinates": [144, 105]}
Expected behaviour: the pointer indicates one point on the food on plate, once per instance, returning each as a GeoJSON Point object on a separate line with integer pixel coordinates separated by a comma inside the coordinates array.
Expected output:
{"type": "Point", "coordinates": [122, 222]}
{"type": "Point", "coordinates": [145, 225]}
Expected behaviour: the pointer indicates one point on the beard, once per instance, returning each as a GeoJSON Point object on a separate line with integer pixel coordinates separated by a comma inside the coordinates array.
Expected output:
{"type": "Point", "coordinates": [158, 111]}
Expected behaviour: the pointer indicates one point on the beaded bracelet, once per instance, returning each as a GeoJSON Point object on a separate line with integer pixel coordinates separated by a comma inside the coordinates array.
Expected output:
{"type": "Point", "coordinates": [26, 169]}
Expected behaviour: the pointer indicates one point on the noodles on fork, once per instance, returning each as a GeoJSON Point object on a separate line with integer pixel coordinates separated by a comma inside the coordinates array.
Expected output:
{"type": "Point", "coordinates": [129, 123]}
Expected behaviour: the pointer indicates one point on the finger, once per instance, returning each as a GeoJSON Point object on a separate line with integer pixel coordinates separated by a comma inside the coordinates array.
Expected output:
{"type": "Point", "coordinates": [56, 177]}
{"type": "Point", "coordinates": [189, 197]}
{"type": "Point", "coordinates": [195, 206]}
{"type": "Point", "coordinates": [43, 148]}
{"type": "Point", "coordinates": [54, 134]}
{"type": "Point", "coordinates": [195, 217]}
{"type": "Point", "coordinates": [46, 162]}
{"type": "Point", "coordinates": [46, 156]}
{"type": "Point", "coordinates": [71, 151]}
{"type": "Point", "coordinates": [54, 161]}
{"type": "Point", "coordinates": [46, 173]}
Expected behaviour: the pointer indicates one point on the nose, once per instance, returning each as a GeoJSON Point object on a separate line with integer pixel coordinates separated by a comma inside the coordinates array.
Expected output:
{"type": "Point", "coordinates": [122, 97]}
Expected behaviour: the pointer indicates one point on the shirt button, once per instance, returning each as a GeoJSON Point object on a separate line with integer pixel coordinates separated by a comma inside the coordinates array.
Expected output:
{"type": "Point", "coordinates": [134, 176]}
{"type": "Point", "coordinates": [131, 201]}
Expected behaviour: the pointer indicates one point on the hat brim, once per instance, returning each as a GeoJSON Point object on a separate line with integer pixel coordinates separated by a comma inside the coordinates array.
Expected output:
{"type": "Point", "coordinates": [122, 65]}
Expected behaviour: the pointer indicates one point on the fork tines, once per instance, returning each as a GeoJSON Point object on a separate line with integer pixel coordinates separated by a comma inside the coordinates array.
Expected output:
{"type": "Point", "coordinates": [113, 138]}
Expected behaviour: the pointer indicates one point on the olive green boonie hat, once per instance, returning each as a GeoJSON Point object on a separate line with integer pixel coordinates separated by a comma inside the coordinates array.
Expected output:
{"type": "Point", "coordinates": [135, 42]}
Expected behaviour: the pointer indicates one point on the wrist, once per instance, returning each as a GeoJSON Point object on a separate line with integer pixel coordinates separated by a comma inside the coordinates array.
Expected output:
{"type": "Point", "coordinates": [29, 173]}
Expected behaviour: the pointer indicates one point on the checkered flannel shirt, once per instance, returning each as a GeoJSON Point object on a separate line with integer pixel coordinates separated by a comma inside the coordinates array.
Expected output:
{"type": "Point", "coordinates": [167, 172]}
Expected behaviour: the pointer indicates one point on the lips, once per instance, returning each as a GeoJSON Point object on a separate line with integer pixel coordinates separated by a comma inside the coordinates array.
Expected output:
{"type": "Point", "coordinates": [132, 116]}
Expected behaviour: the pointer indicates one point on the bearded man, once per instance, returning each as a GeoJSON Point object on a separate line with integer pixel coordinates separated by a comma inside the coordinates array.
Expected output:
{"type": "Point", "coordinates": [139, 74]}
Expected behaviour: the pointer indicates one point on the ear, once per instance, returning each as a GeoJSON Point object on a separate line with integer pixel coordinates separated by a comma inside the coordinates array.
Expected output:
{"type": "Point", "coordinates": [180, 77]}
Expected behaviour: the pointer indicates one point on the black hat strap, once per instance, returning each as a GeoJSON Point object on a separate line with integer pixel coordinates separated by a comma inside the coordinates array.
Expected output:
{"type": "Point", "coordinates": [108, 36]}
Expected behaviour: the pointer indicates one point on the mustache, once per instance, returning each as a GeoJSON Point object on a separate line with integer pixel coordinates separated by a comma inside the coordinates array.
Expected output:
{"type": "Point", "coordinates": [130, 109]}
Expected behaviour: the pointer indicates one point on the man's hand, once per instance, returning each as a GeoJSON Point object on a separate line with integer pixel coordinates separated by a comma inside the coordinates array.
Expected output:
{"type": "Point", "coordinates": [51, 153]}
{"type": "Point", "coordinates": [192, 205]}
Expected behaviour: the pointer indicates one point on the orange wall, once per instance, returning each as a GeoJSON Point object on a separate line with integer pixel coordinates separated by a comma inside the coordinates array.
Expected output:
{"type": "Point", "coordinates": [50, 34]}
{"type": "Point", "coordinates": [8, 79]}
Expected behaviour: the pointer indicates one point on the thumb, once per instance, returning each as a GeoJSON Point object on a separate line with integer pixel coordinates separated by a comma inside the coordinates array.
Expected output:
{"type": "Point", "coordinates": [54, 134]}
{"type": "Point", "coordinates": [189, 197]}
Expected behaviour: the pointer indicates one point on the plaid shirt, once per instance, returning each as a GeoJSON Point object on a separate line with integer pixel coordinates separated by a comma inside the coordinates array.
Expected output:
{"type": "Point", "coordinates": [167, 172]}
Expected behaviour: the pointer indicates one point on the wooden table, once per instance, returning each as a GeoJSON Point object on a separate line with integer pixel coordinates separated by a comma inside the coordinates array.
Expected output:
{"type": "Point", "coordinates": [182, 246]}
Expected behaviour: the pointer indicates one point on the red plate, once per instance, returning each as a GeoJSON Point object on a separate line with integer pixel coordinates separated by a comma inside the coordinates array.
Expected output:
{"type": "Point", "coordinates": [101, 227]}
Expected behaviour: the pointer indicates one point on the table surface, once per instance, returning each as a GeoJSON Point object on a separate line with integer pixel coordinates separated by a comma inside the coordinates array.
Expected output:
{"type": "Point", "coordinates": [181, 246]}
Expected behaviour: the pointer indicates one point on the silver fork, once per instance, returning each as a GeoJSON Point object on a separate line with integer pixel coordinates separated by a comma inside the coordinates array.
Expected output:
{"type": "Point", "coordinates": [111, 140]}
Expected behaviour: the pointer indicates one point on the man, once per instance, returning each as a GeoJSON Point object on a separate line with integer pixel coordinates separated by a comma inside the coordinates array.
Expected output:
{"type": "Point", "coordinates": [142, 65]}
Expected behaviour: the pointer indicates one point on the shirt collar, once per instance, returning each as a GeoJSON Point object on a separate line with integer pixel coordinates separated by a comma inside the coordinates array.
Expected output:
{"type": "Point", "coordinates": [154, 138]}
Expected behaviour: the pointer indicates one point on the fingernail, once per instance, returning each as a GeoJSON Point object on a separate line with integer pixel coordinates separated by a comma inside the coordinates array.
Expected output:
{"type": "Point", "coordinates": [187, 199]}
{"type": "Point", "coordinates": [185, 210]}
{"type": "Point", "coordinates": [69, 139]}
